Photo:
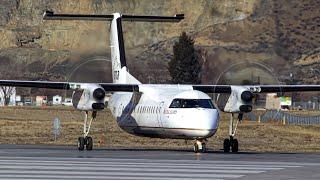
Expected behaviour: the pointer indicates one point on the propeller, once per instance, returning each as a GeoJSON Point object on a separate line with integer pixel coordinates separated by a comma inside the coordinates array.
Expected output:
{"type": "Point", "coordinates": [245, 73]}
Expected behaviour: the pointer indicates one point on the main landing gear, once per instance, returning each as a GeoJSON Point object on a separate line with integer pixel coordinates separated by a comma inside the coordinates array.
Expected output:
{"type": "Point", "coordinates": [86, 141]}
{"type": "Point", "coordinates": [232, 143]}
{"type": "Point", "coordinates": [200, 146]}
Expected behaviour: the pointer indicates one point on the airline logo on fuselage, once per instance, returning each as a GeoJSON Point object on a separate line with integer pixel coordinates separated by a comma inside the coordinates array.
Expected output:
{"type": "Point", "coordinates": [169, 111]}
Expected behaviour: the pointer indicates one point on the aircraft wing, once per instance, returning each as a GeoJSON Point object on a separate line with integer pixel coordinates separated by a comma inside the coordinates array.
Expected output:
{"type": "Point", "coordinates": [35, 84]}
{"type": "Point", "coordinates": [68, 85]}
{"type": "Point", "coordinates": [257, 88]}
{"type": "Point", "coordinates": [135, 87]}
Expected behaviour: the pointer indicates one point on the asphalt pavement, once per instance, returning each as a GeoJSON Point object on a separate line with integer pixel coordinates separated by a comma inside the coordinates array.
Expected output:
{"type": "Point", "coordinates": [66, 162]}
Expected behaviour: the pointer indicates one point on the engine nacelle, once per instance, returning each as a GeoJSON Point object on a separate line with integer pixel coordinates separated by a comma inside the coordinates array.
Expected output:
{"type": "Point", "coordinates": [89, 98]}
{"type": "Point", "coordinates": [240, 100]}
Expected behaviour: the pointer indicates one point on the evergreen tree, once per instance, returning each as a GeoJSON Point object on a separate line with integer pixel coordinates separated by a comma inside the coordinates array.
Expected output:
{"type": "Point", "coordinates": [185, 67]}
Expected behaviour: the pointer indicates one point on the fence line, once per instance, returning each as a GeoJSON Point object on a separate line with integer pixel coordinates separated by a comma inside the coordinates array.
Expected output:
{"type": "Point", "coordinates": [284, 117]}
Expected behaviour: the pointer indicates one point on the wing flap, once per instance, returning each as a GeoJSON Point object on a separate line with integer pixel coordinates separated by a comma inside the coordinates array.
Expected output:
{"type": "Point", "coordinates": [288, 88]}
{"type": "Point", "coordinates": [258, 88]}
{"type": "Point", "coordinates": [213, 88]}
{"type": "Point", "coordinates": [120, 87]}
{"type": "Point", "coordinates": [36, 84]}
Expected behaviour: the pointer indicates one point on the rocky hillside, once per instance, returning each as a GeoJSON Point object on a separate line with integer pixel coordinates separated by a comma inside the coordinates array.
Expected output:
{"type": "Point", "coordinates": [268, 40]}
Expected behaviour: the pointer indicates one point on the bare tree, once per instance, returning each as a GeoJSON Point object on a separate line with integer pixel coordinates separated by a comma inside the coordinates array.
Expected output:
{"type": "Point", "coordinates": [9, 70]}
{"type": "Point", "coordinates": [7, 92]}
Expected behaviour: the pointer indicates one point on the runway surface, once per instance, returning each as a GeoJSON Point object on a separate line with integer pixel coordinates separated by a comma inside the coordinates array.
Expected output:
{"type": "Point", "coordinates": [64, 162]}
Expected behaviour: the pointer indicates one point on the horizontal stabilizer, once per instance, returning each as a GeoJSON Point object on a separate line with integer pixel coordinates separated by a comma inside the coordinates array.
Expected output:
{"type": "Point", "coordinates": [49, 15]}
{"type": "Point", "coordinates": [175, 18]}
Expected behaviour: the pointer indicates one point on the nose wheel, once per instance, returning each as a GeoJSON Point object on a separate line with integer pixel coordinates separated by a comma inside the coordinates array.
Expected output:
{"type": "Point", "coordinates": [86, 142]}
{"type": "Point", "coordinates": [199, 146]}
{"type": "Point", "coordinates": [232, 143]}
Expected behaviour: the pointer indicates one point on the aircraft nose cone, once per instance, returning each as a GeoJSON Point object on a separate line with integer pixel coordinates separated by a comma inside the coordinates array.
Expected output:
{"type": "Point", "coordinates": [206, 120]}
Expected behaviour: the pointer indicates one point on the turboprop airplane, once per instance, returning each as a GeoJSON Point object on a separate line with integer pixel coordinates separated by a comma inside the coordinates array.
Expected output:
{"type": "Point", "coordinates": [178, 111]}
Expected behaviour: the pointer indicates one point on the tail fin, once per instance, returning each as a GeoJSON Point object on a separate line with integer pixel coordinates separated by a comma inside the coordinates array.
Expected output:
{"type": "Point", "coordinates": [119, 66]}
{"type": "Point", "coordinates": [118, 55]}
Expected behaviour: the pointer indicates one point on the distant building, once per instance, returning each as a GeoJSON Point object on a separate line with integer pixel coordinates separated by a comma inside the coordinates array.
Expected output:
{"type": "Point", "coordinates": [272, 101]}
{"type": "Point", "coordinates": [41, 100]}
{"type": "Point", "coordinates": [28, 101]}
{"type": "Point", "coordinates": [12, 101]}
{"type": "Point", "coordinates": [19, 100]}
{"type": "Point", "coordinates": [275, 102]}
{"type": "Point", "coordinates": [67, 102]}
{"type": "Point", "coordinates": [56, 100]}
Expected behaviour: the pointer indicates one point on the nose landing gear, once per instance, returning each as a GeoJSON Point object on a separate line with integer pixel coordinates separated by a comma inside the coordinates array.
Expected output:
{"type": "Point", "coordinates": [86, 141]}
{"type": "Point", "coordinates": [200, 146]}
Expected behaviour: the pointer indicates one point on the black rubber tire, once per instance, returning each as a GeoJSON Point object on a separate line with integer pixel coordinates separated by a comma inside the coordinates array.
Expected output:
{"type": "Point", "coordinates": [195, 148]}
{"type": "Point", "coordinates": [235, 146]}
{"type": "Point", "coordinates": [226, 145]}
{"type": "Point", "coordinates": [81, 143]}
{"type": "Point", "coordinates": [89, 143]}
{"type": "Point", "coordinates": [204, 148]}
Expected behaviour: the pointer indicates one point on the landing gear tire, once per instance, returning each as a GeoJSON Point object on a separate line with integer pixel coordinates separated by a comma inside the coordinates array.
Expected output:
{"type": "Point", "coordinates": [235, 146]}
{"type": "Point", "coordinates": [226, 145]}
{"type": "Point", "coordinates": [195, 148]}
{"type": "Point", "coordinates": [199, 146]}
{"type": "Point", "coordinates": [89, 143]}
{"type": "Point", "coordinates": [81, 143]}
{"type": "Point", "coordinates": [86, 141]}
{"type": "Point", "coordinates": [204, 149]}
{"type": "Point", "coordinates": [230, 143]}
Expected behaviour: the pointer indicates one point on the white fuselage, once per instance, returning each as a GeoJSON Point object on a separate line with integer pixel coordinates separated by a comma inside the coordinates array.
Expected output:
{"type": "Point", "coordinates": [152, 114]}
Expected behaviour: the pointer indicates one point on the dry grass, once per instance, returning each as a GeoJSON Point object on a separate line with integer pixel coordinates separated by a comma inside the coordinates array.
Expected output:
{"type": "Point", "coordinates": [27, 125]}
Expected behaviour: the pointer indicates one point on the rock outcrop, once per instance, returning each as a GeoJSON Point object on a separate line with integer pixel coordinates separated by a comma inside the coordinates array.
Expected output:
{"type": "Point", "coordinates": [281, 36]}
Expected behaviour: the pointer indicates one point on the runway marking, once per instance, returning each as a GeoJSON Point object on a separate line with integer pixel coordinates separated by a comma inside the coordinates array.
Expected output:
{"type": "Point", "coordinates": [53, 177]}
{"type": "Point", "coordinates": [152, 162]}
{"type": "Point", "coordinates": [124, 173]}
{"type": "Point", "coordinates": [112, 168]}
{"type": "Point", "coordinates": [144, 169]}
{"type": "Point", "coordinates": [95, 160]}
{"type": "Point", "coordinates": [245, 167]}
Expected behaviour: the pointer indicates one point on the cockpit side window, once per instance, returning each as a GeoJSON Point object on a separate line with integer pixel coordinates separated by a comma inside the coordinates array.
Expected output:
{"type": "Point", "coordinates": [176, 103]}
{"type": "Point", "coordinates": [192, 103]}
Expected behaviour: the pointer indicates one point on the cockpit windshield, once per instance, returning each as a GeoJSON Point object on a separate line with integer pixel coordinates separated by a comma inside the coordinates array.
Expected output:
{"type": "Point", "coordinates": [192, 103]}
